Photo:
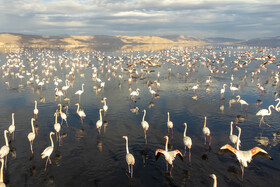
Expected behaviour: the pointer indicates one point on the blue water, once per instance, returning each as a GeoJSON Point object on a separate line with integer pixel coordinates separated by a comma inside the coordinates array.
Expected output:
{"type": "Point", "coordinates": [86, 158]}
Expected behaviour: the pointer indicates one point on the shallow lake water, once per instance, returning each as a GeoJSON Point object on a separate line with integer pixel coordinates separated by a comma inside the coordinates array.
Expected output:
{"type": "Point", "coordinates": [87, 158]}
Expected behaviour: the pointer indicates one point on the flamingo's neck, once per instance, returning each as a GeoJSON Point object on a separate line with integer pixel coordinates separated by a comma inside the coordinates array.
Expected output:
{"type": "Point", "coordinates": [32, 125]}
{"type": "Point", "coordinates": [215, 182]}
{"type": "Point", "coordinates": [6, 139]}
{"type": "Point", "coordinates": [55, 118]}
{"type": "Point", "coordinates": [78, 108]}
{"type": "Point", "coordinates": [60, 108]}
{"type": "Point", "coordinates": [205, 122]}
{"type": "Point", "coordinates": [82, 87]}
{"type": "Point", "coordinates": [168, 118]}
{"type": "Point", "coordinates": [51, 139]}
{"type": "Point", "coordinates": [185, 130]}
{"type": "Point", "coordinates": [230, 128]}
{"type": "Point", "coordinates": [127, 151]}
{"type": "Point", "coordinates": [35, 104]}
{"type": "Point", "coordinates": [143, 119]}
{"type": "Point", "coordinates": [100, 116]}
{"type": "Point", "coordinates": [13, 120]}
{"type": "Point", "coordinates": [269, 109]}
{"type": "Point", "coordinates": [239, 134]}
{"type": "Point", "coordinates": [166, 144]}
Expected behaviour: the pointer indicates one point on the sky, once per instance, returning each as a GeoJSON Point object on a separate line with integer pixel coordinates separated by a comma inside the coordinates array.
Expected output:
{"type": "Point", "coordinates": [240, 19]}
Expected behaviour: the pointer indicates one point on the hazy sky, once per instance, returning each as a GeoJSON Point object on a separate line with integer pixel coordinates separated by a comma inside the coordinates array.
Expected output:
{"type": "Point", "coordinates": [202, 18]}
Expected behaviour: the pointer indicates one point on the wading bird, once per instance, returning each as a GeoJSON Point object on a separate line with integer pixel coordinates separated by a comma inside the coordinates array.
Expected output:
{"type": "Point", "coordinates": [206, 131]}
{"type": "Point", "coordinates": [12, 127]}
{"type": "Point", "coordinates": [187, 141]}
{"type": "Point", "coordinates": [129, 158]}
{"type": "Point", "coordinates": [48, 151]}
{"type": "Point", "coordinates": [5, 149]}
{"type": "Point", "coordinates": [245, 157]}
{"type": "Point", "coordinates": [168, 155]}
{"type": "Point", "coordinates": [264, 112]}
{"type": "Point", "coordinates": [31, 136]}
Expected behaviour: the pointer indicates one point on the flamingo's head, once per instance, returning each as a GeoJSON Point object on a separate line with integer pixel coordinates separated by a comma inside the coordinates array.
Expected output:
{"type": "Point", "coordinates": [52, 133]}
{"type": "Point", "coordinates": [165, 137]}
{"type": "Point", "coordinates": [238, 127]}
{"type": "Point", "coordinates": [125, 137]}
{"type": "Point", "coordinates": [277, 99]}
{"type": "Point", "coordinates": [143, 110]}
{"type": "Point", "coordinates": [213, 176]}
{"type": "Point", "coordinates": [184, 124]}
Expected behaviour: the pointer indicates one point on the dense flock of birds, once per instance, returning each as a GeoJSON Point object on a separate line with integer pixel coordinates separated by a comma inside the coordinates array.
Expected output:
{"type": "Point", "coordinates": [36, 67]}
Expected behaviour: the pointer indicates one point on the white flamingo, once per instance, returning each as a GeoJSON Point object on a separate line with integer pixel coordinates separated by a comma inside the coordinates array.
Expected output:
{"type": "Point", "coordinates": [48, 151]}
{"type": "Point", "coordinates": [80, 112]}
{"type": "Point", "coordinates": [62, 115]}
{"type": "Point", "coordinates": [129, 158]}
{"type": "Point", "coordinates": [242, 102]}
{"type": "Point", "coordinates": [105, 106]}
{"type": "Point", "coordinates": [232, 137]}
{"type": "Point", "coordinates": [168, 155]}
{"type": "Point", "coordinates": [264, 112]}
{"type": "Point", "coordinates": [31, 136]}
{"type": "Point", "coordinates": [145, 125]}
{"type": "Point", "coordinates": [153, 92]}
{"type": "Point", "coordinates": [57, 128]}
{"type": "Point", "coordinates": [233, 88]}
{"type": "Point", "coordinates": [187, 141]}
{"type": "Point", "coordinates": [36, 111]}
{"type": "Point", "coordinates": [169, 123]}
{"type": "Point", "coordinates": [223, 89]}
{"type": "Point", "coordinates": [12, 127]}
{"type": "Point", "coordinates": [80, 92]}
{"type": "Point", "coordinates": [5, 149]}
{"type": "Point", "coordinates": [206, 131]}
{"type": "Point", "coordinates": [135, 93]}
{"type": "Point", "coordinates": [99, 123]}
{"type": "Point", "coordinates": [58, 93]}
{"type": "Point", "coordinates": [244, 157]}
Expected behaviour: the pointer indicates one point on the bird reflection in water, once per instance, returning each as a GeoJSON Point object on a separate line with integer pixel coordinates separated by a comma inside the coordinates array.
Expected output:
{"type": "Point", "coordinates": [57, 158]}
{"type": "Point", "coordinates": [13, 151]}
{"type": "Point", "coordinates": [32, 170]}
{"type": "Point", "coordinates": [99, 143]}
{"type": "Point", "coordinates": [105, 124]}
{"type": "Point", "coordinates": [151, 104]}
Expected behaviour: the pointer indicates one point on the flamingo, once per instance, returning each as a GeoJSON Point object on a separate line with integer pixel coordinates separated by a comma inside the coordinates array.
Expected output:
{"type": "Point", "coordinates": [276, 107]}
{"type": "Point", "coordinates": [242, 102]}
{"type": "Point", "coordinates": [213, 176]}
{"type": "Point", "coordinates": [233, 138]}
{"type": "Point", "coordinates": [80, 112]}
{"type": "Point", "coordinates": [245, 157]}
{"type": "Point", "coordinates": [105, 106]}
{"type": "Point", "coordinates": [195, 87]}
{"type": "Point", "coordinates": [48, 151]}
{"type": "Point", "coordinates": [223, 89]}
{"type": "Point", "coordinates": [62, 115]}
{"type": "Point", "coordinates": [80, 92]}
{"type": "Point", "coordinates": [57, 128]}
{"type": "Point", "coordinates": [12, 127]}
{"type": "Point", "coordinates": [2, 184]}
{"type": "Point", "coordinates": [206, 131]}
{"type": "Point", "coordinates": [99, 123]}
{"type": "Point", "coordinates": [58, 93]}
{"type": "Point", "coordinates": [65, 88]}
{"type": "Point", "coordinates": [35, 110]}
{"type": "Point", "coordinates": [129, 158]}
{"type": "Point", "coordinates": [264, 112]}
{"type": "Point", "coordinates": [135, 93]}
{"type": "Point", "coordinates": [232, 88]}
{"type": "Point", "coordinates": [153, 92]}
{"type": "Point", "coordinates": [4, 151]}
{"type": "Point", "coordinates": [168, 155]}
{"type": "Point", "coordinates": [31, 135]}
{"type": "Point", "coordinates": [169, 123]}
{"type": "Point", "coordinates": [187, 141]}
{"type": "Point", "coordinates": [145, 124]}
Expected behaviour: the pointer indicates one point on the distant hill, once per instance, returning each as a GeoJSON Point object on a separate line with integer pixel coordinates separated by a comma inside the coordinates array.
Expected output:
{"type": "Point", "coordinates": [221, 40]}
{"type": "Point", "coordinates": [101, 42]}
{"type": "Point", "coordinates": [266, 41]}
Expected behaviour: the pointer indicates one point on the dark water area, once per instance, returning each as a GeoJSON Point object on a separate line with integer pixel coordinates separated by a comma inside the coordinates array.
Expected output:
{"type": "Point", "coordinates": [87, 158]}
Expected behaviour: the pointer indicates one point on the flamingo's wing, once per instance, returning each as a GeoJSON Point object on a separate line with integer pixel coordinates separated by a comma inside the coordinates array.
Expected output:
{"type": "Point", "coordinates": [178, 153]}
{"type": "Point", "coordinates": [256, 151]}
{"type": "Point", "coordinates": [158, 153]}
{"type": "Point", "coordinates": [227, 149]}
